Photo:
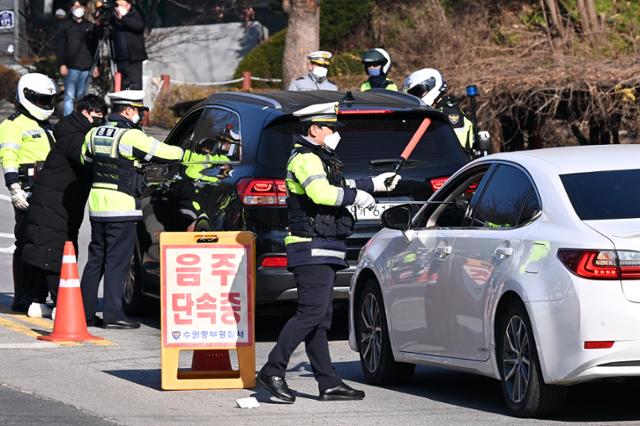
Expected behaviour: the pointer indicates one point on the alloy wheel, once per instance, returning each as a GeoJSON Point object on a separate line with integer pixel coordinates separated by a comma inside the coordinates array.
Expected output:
{"type": "Point", "coordinates": [129, 282]}
{"type": "Point", "coordinates": [370, 332]}
{"type": "Point", "coordinates": [516, 359]}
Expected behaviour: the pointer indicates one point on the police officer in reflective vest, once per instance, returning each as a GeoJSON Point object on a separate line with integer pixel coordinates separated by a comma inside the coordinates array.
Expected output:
{"type": "Point", "coordinates": [377, 63]}
{"type": "Point", "coordinates": [25, 142]}
{"type": "Point", "coordinates": [429, 85]}
{"type": "Point", "coordinates": [316, 79]}
{"type": "Point", "coordinates": [319, 224]}
{"type": "Point", "coordinates": [115, 152]}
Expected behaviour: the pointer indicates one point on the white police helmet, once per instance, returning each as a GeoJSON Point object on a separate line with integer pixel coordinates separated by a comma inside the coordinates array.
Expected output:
{"type": "Point", "coordinates": [36, 93]}
{"type": "Point", "coordinates": [426, 84]}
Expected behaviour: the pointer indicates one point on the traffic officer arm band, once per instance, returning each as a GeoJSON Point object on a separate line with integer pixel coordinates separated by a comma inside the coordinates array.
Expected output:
{"type": "Point", "coordinates": [309, 171]}
{"type": "Point", "coordinates": [364, 184]}
{"type": "Point", "coordinates": [11, 178]}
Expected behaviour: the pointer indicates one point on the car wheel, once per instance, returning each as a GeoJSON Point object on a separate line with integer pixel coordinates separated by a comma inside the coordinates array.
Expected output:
{"type": "Point", "coordinates": [523, 387]}
{"type": "Point", "coordinates": [133, 301]}
{"type": "Point", "coordinates": [376, 357]}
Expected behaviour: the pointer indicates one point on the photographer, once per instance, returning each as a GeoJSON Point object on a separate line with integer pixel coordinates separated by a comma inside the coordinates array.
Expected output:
{"type": "Point", "coordinates": [128, 42]}
{"type": "Point", "coordinates": [76, 44]}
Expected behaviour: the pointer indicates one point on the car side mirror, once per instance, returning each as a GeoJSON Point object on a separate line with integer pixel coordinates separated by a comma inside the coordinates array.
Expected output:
{"type": "Point", "coordinates": [398, 217]}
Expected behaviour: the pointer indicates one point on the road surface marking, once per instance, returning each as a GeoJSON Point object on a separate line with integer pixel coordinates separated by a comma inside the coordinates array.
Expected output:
{"type": "Point", "coordinates": [33, 345]}
{"type": "Point", "coordinates": [15, 324]}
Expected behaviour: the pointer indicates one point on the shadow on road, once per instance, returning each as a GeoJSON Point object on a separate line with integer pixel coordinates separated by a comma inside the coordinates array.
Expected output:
{"type": "Point", "coordinates": [587, 403]}
{"type": "Point", "coordinates": [148, 378]}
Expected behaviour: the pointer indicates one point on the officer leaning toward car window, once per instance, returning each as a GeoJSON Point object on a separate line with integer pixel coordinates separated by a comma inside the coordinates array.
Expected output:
{"type": "Point", "coordinates": [319, 224]}
{"type": "Point", "coordinates": [429, 85]}
{"type": "Point", "coordinates": [115, 152]}
{"type": "Point", "coordinates": [316, 79]}
{"type": "Point", "coordinates": [377, 63]}
{"type": "Point", "coordinates": [25, 142]}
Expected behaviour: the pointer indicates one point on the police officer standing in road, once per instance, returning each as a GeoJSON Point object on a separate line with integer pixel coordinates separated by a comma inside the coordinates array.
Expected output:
{"type": "Point", "coordinates": [25, 141]}
{"type": "Point", "coordinates": [429, 85]}
{"type": "Point", "coordinates": [316, 79]}
{"type": "Point", "coordinates": [319, 224]}
{"type": "Point", "coordinates": [115, 152]}
{"type": "Point", "coordinates": [377, 63]}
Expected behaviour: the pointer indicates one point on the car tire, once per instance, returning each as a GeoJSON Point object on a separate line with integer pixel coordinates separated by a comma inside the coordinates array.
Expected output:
{"type": "Point", "coordinates": [134, 302]}
{"type": "Point", "coordinates": [376, 357]}
{"type": "Point", "coordinates": [523, 387]}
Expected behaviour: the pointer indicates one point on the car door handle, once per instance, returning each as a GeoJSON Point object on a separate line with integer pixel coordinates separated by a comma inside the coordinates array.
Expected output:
{"type": "Point", "coordinates": [444, 251]}
{"type": "Point", "coordinates": [502, 252]}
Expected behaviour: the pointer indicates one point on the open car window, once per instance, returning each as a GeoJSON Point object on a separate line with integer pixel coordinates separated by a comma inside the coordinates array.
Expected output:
{"type": "Point", "coordinates": [217, 136]}
{"type": "Point", "coordinates": [450, 207]}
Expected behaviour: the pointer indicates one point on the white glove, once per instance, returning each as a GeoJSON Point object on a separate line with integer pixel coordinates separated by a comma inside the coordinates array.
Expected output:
{"type": "Point", "coordinates": [379, 184]}
{"type": "Point", "coordinates": [364, 200]}
{"type": "Point", "coordinates": [18, 197]}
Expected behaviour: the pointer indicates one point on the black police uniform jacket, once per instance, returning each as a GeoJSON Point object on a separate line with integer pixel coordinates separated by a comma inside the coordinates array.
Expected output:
{"type": "Point", "coordinates": [56, 207]}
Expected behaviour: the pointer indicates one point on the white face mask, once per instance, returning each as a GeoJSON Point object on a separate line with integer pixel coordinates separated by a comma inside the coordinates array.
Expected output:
{"type": "Point", "coordinates": [332, 141]}
{"type": "Point", "coordinates": [122, 11]}
{"type": "Point", "coordinates": [320, 72]}
{"type": "Point", "coordinates": [135, 119]}
{"type": "Point", "coordinates": [78, 13]}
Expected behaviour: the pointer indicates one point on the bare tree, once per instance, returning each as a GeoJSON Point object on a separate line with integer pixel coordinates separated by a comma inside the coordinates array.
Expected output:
{"type": "Point", "coordinates": [555, 19]}
{"type": "Point", "coordinates": [588, 16]}
{"type": "Point", "coordinates": [303, 36]}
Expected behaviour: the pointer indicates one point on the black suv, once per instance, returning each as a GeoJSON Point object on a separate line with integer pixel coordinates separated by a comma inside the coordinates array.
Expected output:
{"type": "Point", "coordinates": [249, 140]}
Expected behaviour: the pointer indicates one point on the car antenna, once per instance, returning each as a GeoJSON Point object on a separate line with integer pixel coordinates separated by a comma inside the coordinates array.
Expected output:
{"type": "Point", "coordinates": [348, 98]}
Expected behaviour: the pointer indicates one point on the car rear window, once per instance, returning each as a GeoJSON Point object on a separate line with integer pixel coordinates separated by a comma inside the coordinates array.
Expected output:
{"type": "Point", "coordinates": [371, 138]}
{"type": "Point", "coordinates": [610, 194]}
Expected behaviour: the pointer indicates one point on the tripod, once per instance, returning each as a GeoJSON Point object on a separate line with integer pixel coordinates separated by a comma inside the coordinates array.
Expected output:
{"type": "Point", "coordinates": [103, 60]}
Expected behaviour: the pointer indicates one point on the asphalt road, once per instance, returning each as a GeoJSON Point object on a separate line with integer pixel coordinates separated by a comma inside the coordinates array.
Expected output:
{"type": "Point", "coordinates": [119, 381]}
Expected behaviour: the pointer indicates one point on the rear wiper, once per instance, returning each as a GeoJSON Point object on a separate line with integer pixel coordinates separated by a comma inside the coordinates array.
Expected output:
{"type": "Point", "coordinates": [383, 162]}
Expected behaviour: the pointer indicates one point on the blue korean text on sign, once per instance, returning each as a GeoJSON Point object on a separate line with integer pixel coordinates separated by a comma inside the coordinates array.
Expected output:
{"type": "Point", "coordinates": [6, 19]}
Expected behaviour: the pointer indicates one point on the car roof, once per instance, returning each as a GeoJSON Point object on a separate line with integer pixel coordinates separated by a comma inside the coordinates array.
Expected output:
{"type": "Point", "coordinates": [576, 159]}
{"type": "Point", "coordinates": [290, 101]}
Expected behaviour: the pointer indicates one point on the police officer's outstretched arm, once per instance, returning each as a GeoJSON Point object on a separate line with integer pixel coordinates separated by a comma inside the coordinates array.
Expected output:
{"type": "Point", "coordinates": [149, 149]}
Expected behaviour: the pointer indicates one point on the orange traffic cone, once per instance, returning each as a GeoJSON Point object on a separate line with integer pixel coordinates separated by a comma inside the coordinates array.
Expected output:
{"type": "Point", "coordinates": [211, 360]}
{"type": "Point", "coordinates": [70, 323]}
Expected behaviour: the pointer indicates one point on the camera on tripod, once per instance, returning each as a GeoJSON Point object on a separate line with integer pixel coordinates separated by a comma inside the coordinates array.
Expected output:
{"type": "Point", "coordinates": [104, 11]}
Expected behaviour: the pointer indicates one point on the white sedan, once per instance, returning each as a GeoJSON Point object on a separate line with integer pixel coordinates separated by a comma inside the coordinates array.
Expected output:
{"type": "Point", "coordinates": [524, 267]}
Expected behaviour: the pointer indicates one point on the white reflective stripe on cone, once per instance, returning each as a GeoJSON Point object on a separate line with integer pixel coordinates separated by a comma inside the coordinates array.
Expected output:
{"type": "Point", "coordinates": [68, 259]}
{"type": "Point", "coordinates": [69, 283]}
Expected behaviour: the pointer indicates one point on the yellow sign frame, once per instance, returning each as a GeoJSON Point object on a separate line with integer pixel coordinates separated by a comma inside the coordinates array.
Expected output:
{"type": "Point", "coordinates": [174, 378]}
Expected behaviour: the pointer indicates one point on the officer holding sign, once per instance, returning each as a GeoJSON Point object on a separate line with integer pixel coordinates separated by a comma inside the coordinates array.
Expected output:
{"type": "Point", "coordinates": [319, 224]}
{"type": "Point", "coordinates": [115, 152]}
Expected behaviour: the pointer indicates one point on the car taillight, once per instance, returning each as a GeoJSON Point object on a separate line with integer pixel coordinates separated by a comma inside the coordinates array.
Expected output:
{"type": "Point", "coordinates": [262, 192]}
{"type": "Point", "coordinates": [602, 264]}
{"type": "Point", "coordinates": [274, 262]}
{"type": "Point", "coordinates": [436, 183]}
{"type": "Point", "coordinates": [364, 111]}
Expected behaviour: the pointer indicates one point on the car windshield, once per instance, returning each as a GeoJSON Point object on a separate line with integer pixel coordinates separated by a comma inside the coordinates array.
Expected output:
{"type": "Point", "coordinates": [372, 138]}
{"type": "Point", "coordinates": [604, 195]}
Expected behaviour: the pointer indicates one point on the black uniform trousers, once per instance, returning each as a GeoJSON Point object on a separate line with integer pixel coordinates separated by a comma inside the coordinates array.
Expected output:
{"type": "Point", "coordinates": [21, 288]}
{"type": "Point", "coordinates": [309, 324]}
{"type": "Point", "coordinates": [110, 254]}
{"type": "Point", "coordinates": [131, 74]}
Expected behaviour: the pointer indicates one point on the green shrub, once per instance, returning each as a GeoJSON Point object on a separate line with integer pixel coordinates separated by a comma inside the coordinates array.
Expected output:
{"type": "Point", "coordinates": [338, 18]}
{"type": "Point", "coordinates": [265, 60]}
